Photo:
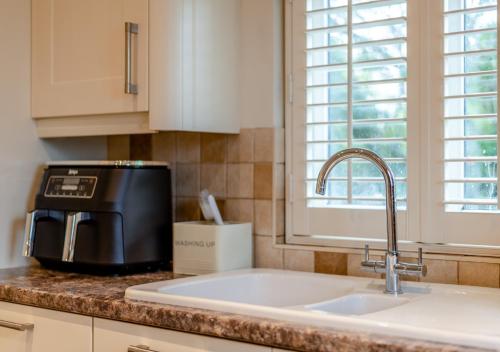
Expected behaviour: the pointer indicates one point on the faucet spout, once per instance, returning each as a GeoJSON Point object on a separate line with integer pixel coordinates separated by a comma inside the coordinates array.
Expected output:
{"type": "Point", "coordinates": [392, 244]}
{"type": "Point", "coordinates": [391, 265]}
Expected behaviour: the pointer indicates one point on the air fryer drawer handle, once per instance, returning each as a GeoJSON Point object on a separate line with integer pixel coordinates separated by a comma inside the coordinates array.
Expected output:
{"type": "Point", "coordinates": [29, 231]}
{"type": "Point", "coordinates": [140, 348]}
{"type": "Point", "coordinates": [72, 222]}
{"type": "Point", "coordinates": [16, 326]}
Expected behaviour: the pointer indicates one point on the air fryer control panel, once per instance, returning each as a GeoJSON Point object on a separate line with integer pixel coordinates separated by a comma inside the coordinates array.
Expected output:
{"type": "Point", "coordinates": [71, 187]}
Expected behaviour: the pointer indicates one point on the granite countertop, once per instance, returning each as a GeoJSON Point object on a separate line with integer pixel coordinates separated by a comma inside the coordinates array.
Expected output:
{"type": "Point", "coordinates": [103, 297]}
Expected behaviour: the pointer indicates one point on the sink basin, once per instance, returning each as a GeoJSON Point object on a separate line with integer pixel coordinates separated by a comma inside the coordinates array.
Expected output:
{"type": "Point", "coordinates": [461, 315]}
{"type": "Point", "coordinates": [358, 304]}
{"type": "Point", "coordinates": [266, 288]}
{"type": "Point", "coordinates": [260, 288]}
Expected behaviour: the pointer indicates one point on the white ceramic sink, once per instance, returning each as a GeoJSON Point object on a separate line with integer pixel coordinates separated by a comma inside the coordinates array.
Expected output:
{"type": "Point", "coordinates": [443, 313]}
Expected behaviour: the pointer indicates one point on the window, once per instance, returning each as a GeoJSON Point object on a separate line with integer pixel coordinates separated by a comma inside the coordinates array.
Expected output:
{"type": "Point", "coordinates": [412, 80]}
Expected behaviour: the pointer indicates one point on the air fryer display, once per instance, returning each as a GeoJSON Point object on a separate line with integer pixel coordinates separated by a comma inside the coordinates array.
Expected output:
{"type": "Point", "coordinates": [71, 186]}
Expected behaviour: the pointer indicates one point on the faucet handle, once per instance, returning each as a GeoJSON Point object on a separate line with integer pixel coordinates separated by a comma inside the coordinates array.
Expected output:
{"type": "Point", "coordinates": [376, 266]}
{"type": "Point", "coordinates": [412, 269]}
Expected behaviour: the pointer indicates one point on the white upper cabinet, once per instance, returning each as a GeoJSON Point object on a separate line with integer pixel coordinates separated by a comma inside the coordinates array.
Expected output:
{"type": "Point", "coordinates": [180, 55]}
{"type": "Point", "coordinates": [79, 57]}
{"type": "Point", "coordinates": [194, 65]}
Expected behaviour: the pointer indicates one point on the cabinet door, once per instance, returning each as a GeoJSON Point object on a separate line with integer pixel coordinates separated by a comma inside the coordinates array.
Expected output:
{"type": "Point", "coordinates": [43, 330]}
{"type": "Point", "coordinates": [112, 336]}
{"type": "Point", "coordinates": [79, 57]}
{"type": "Point", "coordinates": [194, 65]}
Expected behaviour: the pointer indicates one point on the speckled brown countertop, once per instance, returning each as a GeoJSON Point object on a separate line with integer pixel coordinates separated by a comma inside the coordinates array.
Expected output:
{"type": "Point", "coordinates": [103, 297]}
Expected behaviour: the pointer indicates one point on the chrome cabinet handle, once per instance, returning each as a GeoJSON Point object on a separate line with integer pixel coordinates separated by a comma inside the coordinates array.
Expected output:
{"type": "Point", "coordinates": [140, 348]}
{"type": "Point", "coordinates": [130, 29]}
{"type": "Point", "coordinates": [29, 231]}
{"type": "Point", "coordinates": [16, 326]}
{"type": "Point", "coordinates": [72, 221]}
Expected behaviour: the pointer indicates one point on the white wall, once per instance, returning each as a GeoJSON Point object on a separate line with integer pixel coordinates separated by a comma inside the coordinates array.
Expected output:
{"type": "Point", "coordinates": [261, 63]}
{"type": "Point", "coordinates": [21, 152]}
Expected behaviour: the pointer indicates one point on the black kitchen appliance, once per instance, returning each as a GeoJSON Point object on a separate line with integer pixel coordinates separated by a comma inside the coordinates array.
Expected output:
{"type": "Point", "coordinates": [102, 217]}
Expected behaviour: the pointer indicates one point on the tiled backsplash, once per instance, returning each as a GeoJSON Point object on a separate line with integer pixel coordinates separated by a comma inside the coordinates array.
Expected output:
{"type": "Point", "coordinates": [245, 172]}
{"type": "Point", "coordinates": [238, 169]}
{"type": "Point", "coordinates": [439, 271]}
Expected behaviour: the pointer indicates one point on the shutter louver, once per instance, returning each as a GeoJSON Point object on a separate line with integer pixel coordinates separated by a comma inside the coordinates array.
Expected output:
{"type": "Point", "coordinates": [470, 105]}
{"type": "Point", "coordinates": [356, 97]}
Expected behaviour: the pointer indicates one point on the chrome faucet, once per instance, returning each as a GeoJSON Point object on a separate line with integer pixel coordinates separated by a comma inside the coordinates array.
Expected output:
{"type": "Point", "coordinates": [392, 267]}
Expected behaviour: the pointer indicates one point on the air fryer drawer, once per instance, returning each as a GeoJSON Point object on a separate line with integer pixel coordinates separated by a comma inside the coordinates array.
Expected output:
{"type": "Point", "coordinates": [49, 238]}
{"type": "Point", "coordinates": [100, 240]}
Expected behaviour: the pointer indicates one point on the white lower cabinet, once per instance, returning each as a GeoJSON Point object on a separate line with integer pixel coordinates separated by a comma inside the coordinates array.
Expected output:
{"type": "Point", "coordinates": [29, 329]}
{"type": "Point", "coordinates": [112, 336]}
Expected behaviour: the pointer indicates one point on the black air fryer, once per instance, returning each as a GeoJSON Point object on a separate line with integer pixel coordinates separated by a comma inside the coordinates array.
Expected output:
{"type": "Point", "coordinates": [102, 217]}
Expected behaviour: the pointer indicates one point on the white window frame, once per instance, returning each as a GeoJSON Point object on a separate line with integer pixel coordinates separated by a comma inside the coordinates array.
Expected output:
{"type": "Point", "coordinates": [424, 222]}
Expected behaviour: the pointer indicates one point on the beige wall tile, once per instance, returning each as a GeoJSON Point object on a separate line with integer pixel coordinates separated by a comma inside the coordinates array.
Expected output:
{"type": "Point", "coordinates": [264, 144]}
{"type": "Point", "coordinates": [330, 263]}
{"type": "Point", "coordinates": [240, 147]}
{"type": "Point", "coordinates": [279, 239]}
{"type": "Point", "coordinates": [280, 181]}
{"type": "Point", "coordinates": [240, 180]}
{"type": "Point", "coordinates": [239, 210]}
{"type": "Point", "coordinates": [479, 274]}
{"type": "Point", "coordinates": [213, 178]}
{"type": "Point", "coordinates": [174, 209]}
{"type": "Point", "coordinates": [187, 147]}
{"type": "Point", "coordinates": [280, 217]}
{"type": "Point", "coordinates": [187, 180]}
{"type": "Point", "coordinates": [141, 147]}
{"type": "Point", "coordinates": [163, 145]}
{"type": "Point", "coordinates": [263, 181]}
{"type": "Point", "coordinates": [299, 260]}
{"type": "Point", "coordinates": [213, 148]}
{"type": "Point", "coordinates": [118, 147]}
{"type": "Point", "coordinates": [263, 217]}
{"type": "Point", "coordinates": [441, 271]}
{"type": "Point", "coordinates": [354, 266]}
{"type": "Point", "coordinates": [187, 209]}
{"type": "Point", "coordinates": [265, 255]}
{"type": "Point", "coordinates": [173, 169]}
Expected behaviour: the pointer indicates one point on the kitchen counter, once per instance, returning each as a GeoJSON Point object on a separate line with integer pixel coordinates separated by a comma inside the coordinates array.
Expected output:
{"type": "Point", "coordinates": [103, 297]}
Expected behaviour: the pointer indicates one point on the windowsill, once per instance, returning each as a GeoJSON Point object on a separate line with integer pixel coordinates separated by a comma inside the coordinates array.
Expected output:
{"type": "Point", "coordinates": [472, 253]}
